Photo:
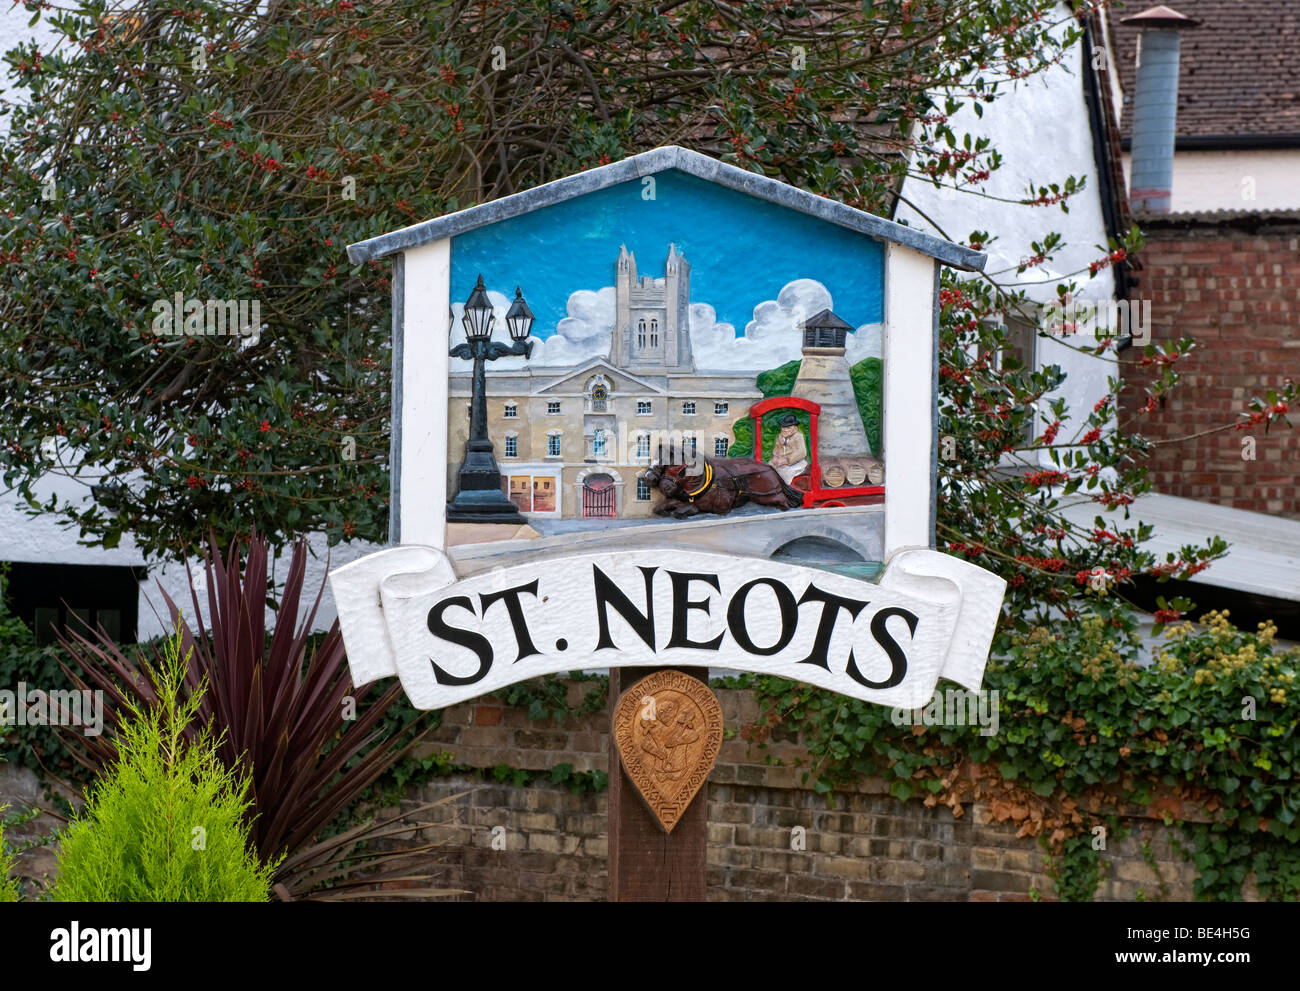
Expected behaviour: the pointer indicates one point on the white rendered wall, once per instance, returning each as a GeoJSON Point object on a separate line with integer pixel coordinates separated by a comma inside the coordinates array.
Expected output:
{"type": "Point", "coordinates": [1264, 179]}
{"type": "Point", "coordinates": [1042, 130]}
{"type": "Point", "coordinates": [14, 30]}
{"type": "Point", "coordinates": [43, 540]}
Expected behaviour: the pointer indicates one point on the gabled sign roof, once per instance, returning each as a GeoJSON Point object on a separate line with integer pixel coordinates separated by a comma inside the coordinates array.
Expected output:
{"type": "Point", "coordinates": [650, 163]}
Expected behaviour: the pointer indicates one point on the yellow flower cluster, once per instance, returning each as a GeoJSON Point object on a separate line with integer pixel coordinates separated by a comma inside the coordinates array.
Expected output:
{"type": "Point", "coordinates": [1225, 653]}
{"type": "Point", "coordinates": [1105, 656]}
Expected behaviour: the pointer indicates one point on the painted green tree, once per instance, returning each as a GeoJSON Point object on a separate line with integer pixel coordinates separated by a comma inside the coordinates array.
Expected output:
{"type": "Point", "coordinates": [866, 376]}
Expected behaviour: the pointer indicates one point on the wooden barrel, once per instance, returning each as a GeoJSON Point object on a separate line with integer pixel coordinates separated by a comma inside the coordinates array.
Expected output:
{"type": "Point", "coordinates": [832, 473]}
{"type": "Point", "coordinates": [855, 471]}
{"type": "Point", "coordinates": [876, 472]}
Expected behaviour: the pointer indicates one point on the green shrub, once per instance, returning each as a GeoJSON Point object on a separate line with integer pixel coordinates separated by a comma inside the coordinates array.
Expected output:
{"type": "Point", "coordinates": [23, 662]}
{"type": "Point", "coordinates": [167, 823]}
{"type": "Point", "coordinates": [10, 891]}
{"type": "Point", "coordinates": [1085, 730]}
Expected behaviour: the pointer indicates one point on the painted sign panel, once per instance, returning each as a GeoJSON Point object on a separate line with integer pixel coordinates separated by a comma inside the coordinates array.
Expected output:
{"type": "Point", "coordinates": [694, 352]}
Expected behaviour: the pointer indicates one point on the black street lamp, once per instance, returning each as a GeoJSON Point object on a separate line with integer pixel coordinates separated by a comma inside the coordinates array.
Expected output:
{"type": "Point", "coordinates": [479, 498]}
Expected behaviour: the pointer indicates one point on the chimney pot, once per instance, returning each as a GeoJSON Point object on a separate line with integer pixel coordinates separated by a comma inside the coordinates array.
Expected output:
{"type": "Point", "coordinates": [1155, 107]}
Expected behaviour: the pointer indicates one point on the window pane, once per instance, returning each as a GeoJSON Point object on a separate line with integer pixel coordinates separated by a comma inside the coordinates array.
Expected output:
{"type": "Point", "coordinates": [111, 621]}
{"type": "Point", "coordinates": [47, 621]}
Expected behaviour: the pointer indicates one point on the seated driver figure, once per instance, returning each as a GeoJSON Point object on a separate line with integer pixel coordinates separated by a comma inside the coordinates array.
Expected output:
{"type": "Point", "coordinates": [789, 453]}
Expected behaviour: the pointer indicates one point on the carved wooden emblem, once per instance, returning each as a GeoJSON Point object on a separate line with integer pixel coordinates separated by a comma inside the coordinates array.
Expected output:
{"type": "Point", "coordinates": [668, 730]}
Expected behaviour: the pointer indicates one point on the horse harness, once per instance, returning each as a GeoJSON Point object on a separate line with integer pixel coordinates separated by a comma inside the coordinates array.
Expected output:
{"type": "Point", "coordinates": [708, 484]}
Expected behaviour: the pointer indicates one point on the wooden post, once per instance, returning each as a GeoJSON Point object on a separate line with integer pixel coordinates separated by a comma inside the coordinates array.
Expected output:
{"type": "Point", "coordinates": [645, 863]}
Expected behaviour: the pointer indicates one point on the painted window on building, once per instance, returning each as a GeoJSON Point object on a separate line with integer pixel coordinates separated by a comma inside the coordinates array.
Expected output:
{"type": "Point", "coordinates": [720, 447]}
{"type": "Point", "coordinates": [644, 408]}
{"type": "Point", "coordinates": [552, 409]}
{"type": "Point", "coordinates": [688, 407]}
{"type": "Point", "coordinates": [719, 409]}
{"type": "Point", "coordinates": [642, 490]}
{"type": "Point", "coordinates": [599, 443]}
{"type": "Point", "coordinates": [643, 445]}
{"type": "Point", "coordinates": [553, 446]}
{"type": "Point", "coordinates": [512, 447]}
{"type": "Point", "coordinates": [511, 411]}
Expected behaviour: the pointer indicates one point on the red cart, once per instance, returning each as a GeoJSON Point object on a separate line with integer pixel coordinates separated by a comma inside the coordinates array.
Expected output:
{"type": "Point", "coordinates": [817, 494]}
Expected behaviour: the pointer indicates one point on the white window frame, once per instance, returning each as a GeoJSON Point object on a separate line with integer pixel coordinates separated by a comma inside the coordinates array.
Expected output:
{"type": "Point", "coordinates": [553, 407]}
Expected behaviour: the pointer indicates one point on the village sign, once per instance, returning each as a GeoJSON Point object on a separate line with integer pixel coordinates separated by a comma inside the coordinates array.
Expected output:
{"type": "Point", "coordinates": [731, 464]}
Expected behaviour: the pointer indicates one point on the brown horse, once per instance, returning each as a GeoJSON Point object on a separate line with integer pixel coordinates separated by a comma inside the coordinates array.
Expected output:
{"type": "Point", "coordinates": [723, 485]}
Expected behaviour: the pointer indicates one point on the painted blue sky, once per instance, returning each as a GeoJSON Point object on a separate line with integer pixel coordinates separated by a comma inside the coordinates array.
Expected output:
{"type": "Point", "coordinates": [742, 251]}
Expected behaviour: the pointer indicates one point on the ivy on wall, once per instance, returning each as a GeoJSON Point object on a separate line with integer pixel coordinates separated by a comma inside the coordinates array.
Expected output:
{"type": "Point", "coordinates": [1087, 734]}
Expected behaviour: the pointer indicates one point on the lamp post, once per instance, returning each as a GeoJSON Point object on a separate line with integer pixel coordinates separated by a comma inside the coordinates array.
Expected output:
{"type": "Point", "coordinates": [479, 498]}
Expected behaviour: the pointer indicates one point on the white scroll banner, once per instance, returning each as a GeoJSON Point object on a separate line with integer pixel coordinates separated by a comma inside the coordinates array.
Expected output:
{"type": "Point", "coordinates": [402, 611]}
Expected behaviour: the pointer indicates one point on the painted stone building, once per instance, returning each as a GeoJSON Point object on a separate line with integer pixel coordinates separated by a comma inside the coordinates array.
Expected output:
{"type": "Point", "coordinates": [574, 442]}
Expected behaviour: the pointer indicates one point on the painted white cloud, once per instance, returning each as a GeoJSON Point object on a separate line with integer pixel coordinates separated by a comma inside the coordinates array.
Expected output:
{"type": "Point", "coordinates": [775, 334]}
{"type": "Point", "coordinates": [773, 337]}
{"type": "Point", "coordinates": [582, 334]}
{"type": "Point", "coordinates": [863, 343]}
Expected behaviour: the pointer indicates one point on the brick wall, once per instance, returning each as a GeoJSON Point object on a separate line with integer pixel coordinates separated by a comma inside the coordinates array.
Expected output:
{"type": "Point", "coordinates": [867, 846]}
{"type": "Point", "coordinates": [1234, 286]}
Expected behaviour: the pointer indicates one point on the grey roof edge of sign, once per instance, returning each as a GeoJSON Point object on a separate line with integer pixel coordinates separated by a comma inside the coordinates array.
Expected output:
{"type": "Point", "coordinates": [662, 160]}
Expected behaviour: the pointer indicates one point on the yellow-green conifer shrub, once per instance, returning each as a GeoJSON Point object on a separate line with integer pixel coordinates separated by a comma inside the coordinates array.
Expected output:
{"type": "Point", "coordinates": [9, 889]}
{"type": "Point", "coordinates": [167, 823]}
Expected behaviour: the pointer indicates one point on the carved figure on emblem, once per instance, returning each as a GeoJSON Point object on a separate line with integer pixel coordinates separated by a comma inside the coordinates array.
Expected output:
{"type": "Point", "coordinates": [667, 732]}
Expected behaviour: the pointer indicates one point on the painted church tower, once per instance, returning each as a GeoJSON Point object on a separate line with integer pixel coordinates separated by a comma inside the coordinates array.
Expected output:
{"type": "Point", "coordinates": [652, 329]}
